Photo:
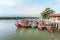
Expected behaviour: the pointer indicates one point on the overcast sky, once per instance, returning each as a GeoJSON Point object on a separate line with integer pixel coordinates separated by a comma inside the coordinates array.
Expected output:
{"type": "Point", "coordinates": [27, 7]}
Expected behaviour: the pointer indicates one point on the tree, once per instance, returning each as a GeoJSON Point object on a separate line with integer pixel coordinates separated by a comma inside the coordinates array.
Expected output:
{"type": "Point", "coordinates": [47, 12]}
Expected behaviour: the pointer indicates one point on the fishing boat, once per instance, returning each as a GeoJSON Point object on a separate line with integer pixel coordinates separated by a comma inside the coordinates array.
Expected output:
{"type": "Point", "coordinates": [34, 25]}
{"type": "Point", "coordinates": [19, 25]}
{"type": "Point", "coordinates": [22, 24]}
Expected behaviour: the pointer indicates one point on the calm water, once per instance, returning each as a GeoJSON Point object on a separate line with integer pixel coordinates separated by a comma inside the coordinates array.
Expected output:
{"type": "Point", "coordinates": [8, 31]}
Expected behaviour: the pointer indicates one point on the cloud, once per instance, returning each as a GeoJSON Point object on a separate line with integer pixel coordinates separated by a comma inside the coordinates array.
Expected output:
{"type": "Point", "coordinates": [7, 2]}
{"type": "Point", "coordinates": [30, 11]}
{"type": "Point", "coordinates": [57, 0]}
{"type": "Point", "coordinates": [7, 7]}
{"type": "Point", "coordinates": [25, 7]}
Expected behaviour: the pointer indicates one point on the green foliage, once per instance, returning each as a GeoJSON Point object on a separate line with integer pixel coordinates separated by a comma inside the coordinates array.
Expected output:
{"type": "Point", "coordinates": [47, 12]}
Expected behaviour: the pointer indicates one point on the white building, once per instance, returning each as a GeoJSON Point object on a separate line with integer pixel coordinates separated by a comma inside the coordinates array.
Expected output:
{"type": "Point", "coordinates": [55, 18]}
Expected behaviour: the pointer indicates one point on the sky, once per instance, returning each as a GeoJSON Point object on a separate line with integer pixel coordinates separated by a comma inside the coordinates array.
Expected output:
{"type": "Point", "coordinates": [27, 7]}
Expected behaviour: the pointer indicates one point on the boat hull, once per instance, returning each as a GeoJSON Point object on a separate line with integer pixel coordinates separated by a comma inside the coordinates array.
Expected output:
{"type": "Point", "coordinates": [20, 26]}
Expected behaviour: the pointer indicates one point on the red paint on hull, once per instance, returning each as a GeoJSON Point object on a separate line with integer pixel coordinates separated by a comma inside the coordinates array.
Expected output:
{"type": "Point", "coordinates": [20, 26]}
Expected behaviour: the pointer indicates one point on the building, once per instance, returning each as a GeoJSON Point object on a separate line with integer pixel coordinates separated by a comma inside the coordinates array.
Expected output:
{"type": "Point", "coordinates": [55, 18]}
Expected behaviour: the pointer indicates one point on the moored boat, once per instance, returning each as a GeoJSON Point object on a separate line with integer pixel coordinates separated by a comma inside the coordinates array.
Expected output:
{"type": "Point", "coordinates": [19, 26]}
{"type": "Point", "coordinates": [22, 26]}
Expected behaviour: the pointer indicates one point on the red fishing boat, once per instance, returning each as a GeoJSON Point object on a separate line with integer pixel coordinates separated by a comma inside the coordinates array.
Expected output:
{"type": "Point", "coordinates": [22, 24]}
{"type": "Point", "coordinates": [19, 25]}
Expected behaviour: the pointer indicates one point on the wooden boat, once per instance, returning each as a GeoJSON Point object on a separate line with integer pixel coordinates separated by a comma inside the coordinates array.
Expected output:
{"type": "Point", "coordinates": [48, 27]}
{"type": "Point", "coordinates": [33, 27]}
{"type": "Point", "coordinates": [26, 26]}
{"type": "Point", "coordinates": [22, 26]}
{"type": "Point", "coordinates": [19, 26]}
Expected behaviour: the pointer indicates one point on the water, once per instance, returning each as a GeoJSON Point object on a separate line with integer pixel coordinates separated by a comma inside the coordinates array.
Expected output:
{"type": "Point", "coordinates": [8, 31]}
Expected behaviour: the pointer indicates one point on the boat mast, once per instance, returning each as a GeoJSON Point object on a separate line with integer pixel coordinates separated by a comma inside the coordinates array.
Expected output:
{"type": "Point", "coordinates": [17, 20]}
